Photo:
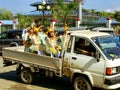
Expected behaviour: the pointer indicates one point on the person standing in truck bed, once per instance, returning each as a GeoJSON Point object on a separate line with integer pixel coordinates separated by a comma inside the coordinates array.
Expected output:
{"type": "Point", "coordinates": [27, 39]}
{"type": "Point", "coordinates": [52, 48]}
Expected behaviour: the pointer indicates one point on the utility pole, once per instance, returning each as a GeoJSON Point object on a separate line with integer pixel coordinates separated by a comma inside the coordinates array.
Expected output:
{"type": "Point", "coordinates": [80, 11]}
{"type": "Point", "coordinates": [79, 16]}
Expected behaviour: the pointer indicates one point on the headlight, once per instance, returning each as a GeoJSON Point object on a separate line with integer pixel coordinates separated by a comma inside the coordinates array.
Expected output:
{"type": "Point", "coordinates": [114, 70]}
{"type": "Point", "coordinates": [110, 71]}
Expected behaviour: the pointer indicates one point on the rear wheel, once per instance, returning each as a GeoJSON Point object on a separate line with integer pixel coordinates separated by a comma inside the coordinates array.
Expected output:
{"type": "Point", "coordinates": [26, 75]}
{"type": "Point", "coordinates": [81, 83]}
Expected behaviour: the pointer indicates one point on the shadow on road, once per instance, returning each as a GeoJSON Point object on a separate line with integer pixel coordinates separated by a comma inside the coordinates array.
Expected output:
{"type": "Point", "coordinates": [50, 83]}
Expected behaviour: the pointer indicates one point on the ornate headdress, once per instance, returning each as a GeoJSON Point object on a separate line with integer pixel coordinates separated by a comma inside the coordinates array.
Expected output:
{"type": "Point", "coordinates": [66, 28]}
{"type": "Point", "coordinates": [50, 28]}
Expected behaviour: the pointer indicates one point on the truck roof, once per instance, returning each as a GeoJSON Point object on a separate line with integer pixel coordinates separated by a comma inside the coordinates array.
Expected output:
{"type": "Point", "coordinates": [88, 33]}
{"type": "Point", "coordinates": [102, 29]}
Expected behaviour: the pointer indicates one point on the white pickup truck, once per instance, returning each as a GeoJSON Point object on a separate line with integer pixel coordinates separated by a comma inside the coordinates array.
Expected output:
{"type": "Point", "coordinates": [101, 70]}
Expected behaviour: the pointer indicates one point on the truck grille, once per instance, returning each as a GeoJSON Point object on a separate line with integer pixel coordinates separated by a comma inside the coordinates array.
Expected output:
{"type": "Point", "coordinates": [118, 69]}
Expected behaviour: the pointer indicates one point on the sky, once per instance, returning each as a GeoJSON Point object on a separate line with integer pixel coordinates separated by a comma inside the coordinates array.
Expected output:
{"type": "Point", "coordinates": [23, 6]}
{"type": "Point", "coordinates": [102, 5]}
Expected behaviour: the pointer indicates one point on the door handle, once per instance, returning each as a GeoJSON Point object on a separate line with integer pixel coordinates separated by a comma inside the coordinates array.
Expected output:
{"type": "Point", "coordinates": [74, 58]}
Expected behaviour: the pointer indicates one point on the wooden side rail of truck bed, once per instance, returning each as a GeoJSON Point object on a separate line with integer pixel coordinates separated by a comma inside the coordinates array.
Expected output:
{"type": "Point", "coordinates": [18, 55]}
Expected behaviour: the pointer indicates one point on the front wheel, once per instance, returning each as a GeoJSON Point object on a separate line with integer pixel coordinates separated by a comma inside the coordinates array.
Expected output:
{"type": "Point", "coordinates": [26, 75]}
{"type": "Point", "coordinates": [81, 83]}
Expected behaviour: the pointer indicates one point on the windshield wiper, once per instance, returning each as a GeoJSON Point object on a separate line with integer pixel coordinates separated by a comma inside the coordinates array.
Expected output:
{"type": "Point", "coordinates": [115, 56]}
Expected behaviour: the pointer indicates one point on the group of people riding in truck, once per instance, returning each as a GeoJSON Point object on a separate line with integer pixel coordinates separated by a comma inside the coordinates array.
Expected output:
{"type": "Point", "coordinates": [44, 41]}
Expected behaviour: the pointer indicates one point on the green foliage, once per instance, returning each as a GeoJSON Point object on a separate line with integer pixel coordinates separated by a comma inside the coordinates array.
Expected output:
{"type": "Point", "coordinates": [61, 10]}
{"type": "Point", "coordinates": [99, 13]}
{"type": "Point", "coordinates": [106, 14]}
{"type": "Point", "coordinates": [5, 14]}
{"type": "Point", "coordinates": [23, 20]}
{"type": "Point", "coordinates": [117, 15]}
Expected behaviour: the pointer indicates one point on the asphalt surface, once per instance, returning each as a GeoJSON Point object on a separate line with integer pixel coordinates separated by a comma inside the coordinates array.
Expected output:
{"type": "Point", "coordinates": [10, 81]}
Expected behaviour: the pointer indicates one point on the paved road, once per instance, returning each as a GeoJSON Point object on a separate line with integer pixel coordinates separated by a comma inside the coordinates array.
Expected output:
{"type": "Point", "coordinates": [10, 81]}
{"type": "Point", "coordinates": [1, 62]}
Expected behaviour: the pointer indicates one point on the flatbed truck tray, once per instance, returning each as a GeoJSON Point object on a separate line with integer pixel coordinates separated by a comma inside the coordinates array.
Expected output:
{"type": "Point", "coordinates": [18, 55]}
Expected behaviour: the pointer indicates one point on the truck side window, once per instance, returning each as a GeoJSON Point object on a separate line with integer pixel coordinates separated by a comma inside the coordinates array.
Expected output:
{"type": "Point", "coordinates": [3, 36]}
{"type": "Point", "coordinates": [84, 47]}
{"type": "Point", "coordinates": [11, 35]}
{"type": "Point", "coordinates": [69, 44]}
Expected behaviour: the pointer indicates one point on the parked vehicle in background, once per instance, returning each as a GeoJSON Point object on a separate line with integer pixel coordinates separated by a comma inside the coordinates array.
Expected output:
{"type": "Point", "coordinates": [10, 38]}
{"type": "Point", "coordinates": [104, 29]}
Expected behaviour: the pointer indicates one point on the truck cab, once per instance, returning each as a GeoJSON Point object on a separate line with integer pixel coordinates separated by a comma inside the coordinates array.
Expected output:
{"type": "Point", "coordinates": [11, 38]}
{"type": "Point", "coordinates": [99, 69]}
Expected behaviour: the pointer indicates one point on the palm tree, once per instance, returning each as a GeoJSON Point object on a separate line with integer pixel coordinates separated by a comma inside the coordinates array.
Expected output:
{"type": "Point", "coordinates": [62, 9]}
{"type": "Point", "coordinates": [23, 20]}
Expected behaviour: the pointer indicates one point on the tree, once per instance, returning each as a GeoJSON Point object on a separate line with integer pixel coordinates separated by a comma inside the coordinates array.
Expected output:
{"type": "Point", "coordinates": [62, 9]}
{"type": "Point", "coordinates": [78, 1]}
{"type": "Point", "coordinates": [117, 15]}
{"type": "Point", "coordinates": [5, 14]}
{"type": "Point", "coordinates": [23, 20]}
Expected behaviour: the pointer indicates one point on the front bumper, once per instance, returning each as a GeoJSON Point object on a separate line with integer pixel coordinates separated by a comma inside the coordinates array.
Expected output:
{"type": "Point", "coordinates": [112, 81]}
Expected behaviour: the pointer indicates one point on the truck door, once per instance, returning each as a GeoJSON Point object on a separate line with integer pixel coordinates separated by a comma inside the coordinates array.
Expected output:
{"type": "Point", "coordinates": [66, 64]}
{"type": "Point", "coordinates": [81, 59]}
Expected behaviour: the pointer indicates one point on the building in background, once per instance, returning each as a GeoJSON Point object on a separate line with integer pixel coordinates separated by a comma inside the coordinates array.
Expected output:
{"type": "Point", "coordinates": [6, 24]}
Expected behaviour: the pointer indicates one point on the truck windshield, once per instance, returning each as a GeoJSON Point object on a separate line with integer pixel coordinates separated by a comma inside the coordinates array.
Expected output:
{"type": "Point", "coordinates": [110, 32]}
{"type": "Point", "coordinates": [109, 46]}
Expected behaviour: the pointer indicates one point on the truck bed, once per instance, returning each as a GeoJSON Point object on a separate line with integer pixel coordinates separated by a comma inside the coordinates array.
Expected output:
{"type": "Point", "coordinates": [18, 55]}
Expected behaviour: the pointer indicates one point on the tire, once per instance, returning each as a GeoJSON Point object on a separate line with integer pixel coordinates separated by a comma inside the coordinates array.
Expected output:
{"type": "Point", "coordinates": [80, 83]}
{"type": "Point", "coordinates": [26, 75]}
